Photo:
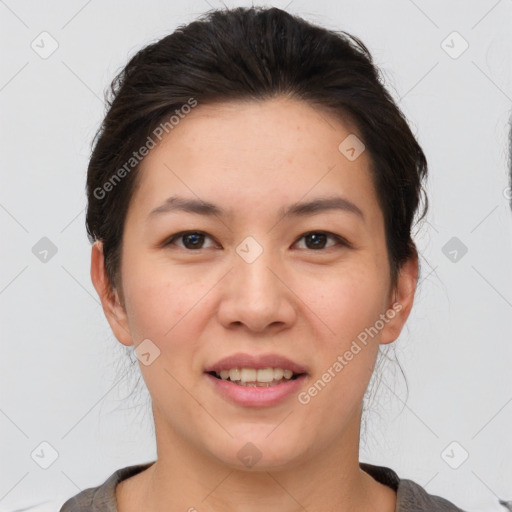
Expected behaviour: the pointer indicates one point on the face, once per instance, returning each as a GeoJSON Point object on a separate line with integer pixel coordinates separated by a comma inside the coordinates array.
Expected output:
{"type": "Point", "coordinates": [307, 291]}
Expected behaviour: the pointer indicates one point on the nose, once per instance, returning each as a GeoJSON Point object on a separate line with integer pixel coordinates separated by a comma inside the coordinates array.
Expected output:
{"type": "Point", "coordinates": [256, 296]}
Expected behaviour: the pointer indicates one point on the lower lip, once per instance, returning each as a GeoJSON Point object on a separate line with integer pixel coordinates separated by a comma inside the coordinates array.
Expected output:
{"type": "Point", "coordinates": [257, 396]}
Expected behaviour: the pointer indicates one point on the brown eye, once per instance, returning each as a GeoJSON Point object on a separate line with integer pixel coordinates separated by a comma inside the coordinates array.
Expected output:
{"type": "Point", "coordinates": [191, 239]}
{"type": "Point", "coordinates": [316, 240]}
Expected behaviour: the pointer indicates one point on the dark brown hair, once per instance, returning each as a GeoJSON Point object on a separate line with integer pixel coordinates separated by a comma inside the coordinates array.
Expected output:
{"type": "Point", "coordinates": [253, 54]}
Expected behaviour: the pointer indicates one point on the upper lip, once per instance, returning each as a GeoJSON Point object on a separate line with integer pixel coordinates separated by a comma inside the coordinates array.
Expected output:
{"type": "Point", "coordinates": [242, 360]}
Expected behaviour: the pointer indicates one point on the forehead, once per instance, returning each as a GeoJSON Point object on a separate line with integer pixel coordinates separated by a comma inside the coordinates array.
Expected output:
{"type": "Point", "coordinates": [248, 153]}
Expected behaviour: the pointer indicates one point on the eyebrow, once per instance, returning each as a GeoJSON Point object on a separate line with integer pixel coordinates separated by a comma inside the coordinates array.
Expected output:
{"type": "Point", "coordinates": [199, 207]}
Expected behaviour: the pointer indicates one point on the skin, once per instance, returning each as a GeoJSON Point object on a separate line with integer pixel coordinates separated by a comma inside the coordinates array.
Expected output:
{"type": "Point", "coordinates": [200, 305]}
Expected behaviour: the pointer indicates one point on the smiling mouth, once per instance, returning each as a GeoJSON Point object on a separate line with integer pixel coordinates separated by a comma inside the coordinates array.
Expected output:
{"type": "Point", "coordinates": [252, 377]}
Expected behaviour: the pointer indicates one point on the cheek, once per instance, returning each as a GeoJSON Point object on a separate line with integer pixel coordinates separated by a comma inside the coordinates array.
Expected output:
{"type": "Point", "coordinates": [349, 305]}
{"type": "Point", "coordinates": [168, 308]}
{"type": "Point", "coordinates": [161, 309]}
{"type": "Point", "coordinates": [160, 300]}
{"type": "Point", "coordinates": [346, 302]}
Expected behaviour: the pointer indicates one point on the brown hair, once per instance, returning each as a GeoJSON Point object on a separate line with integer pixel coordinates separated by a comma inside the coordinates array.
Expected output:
{"type": "Point", "coordinates": [253, 54]}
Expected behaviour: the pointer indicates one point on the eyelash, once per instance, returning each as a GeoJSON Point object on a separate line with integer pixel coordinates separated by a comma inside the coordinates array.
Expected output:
{"type": "Point", "coordinates": [340, 240]}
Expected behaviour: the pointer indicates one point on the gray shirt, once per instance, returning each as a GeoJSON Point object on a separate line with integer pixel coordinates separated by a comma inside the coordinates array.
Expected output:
{"type": "Point", "coordinates": [411, 497]}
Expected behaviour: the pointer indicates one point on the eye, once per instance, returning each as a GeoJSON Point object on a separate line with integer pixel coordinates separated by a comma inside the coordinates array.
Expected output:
{"type": "Point", "coordinates": [192, 239]}
{"type": "Point", "coordinates": [317, 239]}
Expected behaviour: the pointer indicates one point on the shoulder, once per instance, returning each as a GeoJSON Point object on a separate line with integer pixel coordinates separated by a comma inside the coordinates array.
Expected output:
{"type": "Point", "coordinates": [411, 497]}
{"type": "Point", "coordinates": [103, 497]}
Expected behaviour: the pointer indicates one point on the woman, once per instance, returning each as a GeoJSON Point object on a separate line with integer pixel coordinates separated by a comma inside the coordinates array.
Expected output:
{"type": "Point", "coordinates": [251, 197]}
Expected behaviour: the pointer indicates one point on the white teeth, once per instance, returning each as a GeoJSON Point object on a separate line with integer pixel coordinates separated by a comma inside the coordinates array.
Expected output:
{"type": "Point", "coordinates": [248, 374]}
{"type": "Point", "coordinates": [254, 377]}
{"type": "Point", "coordinates": [278, 373]}
{"type": "Point", "coordinates": [265, 375]}
{"type": "Point", "coordinates": [234, 374]}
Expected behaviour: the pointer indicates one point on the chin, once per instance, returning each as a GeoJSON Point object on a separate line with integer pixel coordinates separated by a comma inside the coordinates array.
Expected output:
{"type": "Point", "coordinates": [258, 452]}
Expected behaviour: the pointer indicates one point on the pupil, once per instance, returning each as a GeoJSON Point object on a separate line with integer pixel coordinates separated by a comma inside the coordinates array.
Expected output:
{"type": "Point", "coordinates": [315, 236]}
{"type": "Point", "coordinates": [196, 237]}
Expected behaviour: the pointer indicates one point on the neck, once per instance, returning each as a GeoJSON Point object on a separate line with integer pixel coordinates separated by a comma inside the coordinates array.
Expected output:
{"type": "Point", "coordinates": [185, 478]}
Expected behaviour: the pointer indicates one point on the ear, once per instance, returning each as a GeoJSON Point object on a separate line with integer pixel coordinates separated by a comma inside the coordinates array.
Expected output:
{"type": "Point", "coordinates": [112, 307]}
{"type": "Point", "coordinates": [402, 298]}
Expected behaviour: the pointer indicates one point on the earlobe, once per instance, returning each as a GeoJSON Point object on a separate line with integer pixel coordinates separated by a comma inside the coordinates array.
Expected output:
{"type": "Point", "coordinates": [112, 307]}
{"type": "Point", "coordinates": [400, 306]}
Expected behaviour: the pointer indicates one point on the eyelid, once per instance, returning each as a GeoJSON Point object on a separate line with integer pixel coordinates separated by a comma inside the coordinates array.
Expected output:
{"type": "Point", "coordinates": [170, 240]}
{"type": "Point", "coordinates": [341, 241]}
{"type": "Point", "coordinates": [338, 238]}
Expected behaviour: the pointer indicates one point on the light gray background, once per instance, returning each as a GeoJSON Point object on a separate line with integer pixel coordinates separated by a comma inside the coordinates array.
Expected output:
{"type": "Point", "coordinates": [61, 368]}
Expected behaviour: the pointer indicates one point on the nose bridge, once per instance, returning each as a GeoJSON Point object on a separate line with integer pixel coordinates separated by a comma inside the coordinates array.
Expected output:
{"type": "Point", "coordinates": [256, 297]}
{"type": "Point", "coordinates": [253, 277]}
